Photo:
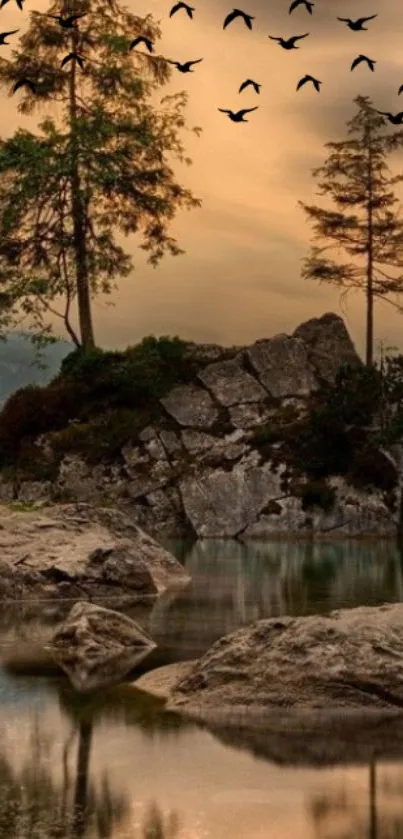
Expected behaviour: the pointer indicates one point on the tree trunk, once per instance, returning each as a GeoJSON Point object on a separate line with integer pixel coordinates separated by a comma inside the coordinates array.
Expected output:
{"type": "Point", "coordinates": [83, 291]}
{"type": "Point", "coordinates": [370, 267]}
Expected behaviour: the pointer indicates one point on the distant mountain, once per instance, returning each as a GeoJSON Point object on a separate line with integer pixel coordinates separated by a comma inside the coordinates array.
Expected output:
{"type": "Point", "coordinates": [16, 357]}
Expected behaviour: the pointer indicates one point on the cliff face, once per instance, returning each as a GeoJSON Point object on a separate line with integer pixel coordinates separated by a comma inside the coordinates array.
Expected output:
{"type": "Point", "coordinates": [201, 467]}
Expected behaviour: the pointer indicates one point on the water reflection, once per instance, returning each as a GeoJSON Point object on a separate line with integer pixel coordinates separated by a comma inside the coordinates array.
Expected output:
{"type": "Point", "coordinates": [235, 583]}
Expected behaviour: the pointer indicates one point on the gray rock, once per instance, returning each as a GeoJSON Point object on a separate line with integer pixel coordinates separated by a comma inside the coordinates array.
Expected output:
{"type": "Point", "coordinates": [190, 405]}
{"type": "Point", "coordinates": [328, 343]}
{"type": "Point", "coordinates": [349, 661]}
{"type": "Point", "coordinates": [170, 441]}
{"type": "Point", "coordinates": [222, 503]}
{"type": "Point", "coordinates": [231, 384]}
{"type": "Point", "coordinates": [282, 366]}
{"type": "Point", "coordinates": [97, 647]}
{"type": "Point", "coordinates": [249, 414]}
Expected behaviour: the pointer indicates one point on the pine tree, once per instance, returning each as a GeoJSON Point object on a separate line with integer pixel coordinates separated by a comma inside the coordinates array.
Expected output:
{"type": "Point", "coordinates": [64, 192]}
{"type": "Point", "coordinates": [356, 175]}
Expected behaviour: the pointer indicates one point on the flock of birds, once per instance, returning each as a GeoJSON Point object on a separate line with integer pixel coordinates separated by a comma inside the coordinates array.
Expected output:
{"type": "Point", "coordinates": [69, 22]}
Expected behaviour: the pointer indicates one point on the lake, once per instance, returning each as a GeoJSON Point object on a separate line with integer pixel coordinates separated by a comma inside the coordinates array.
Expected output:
{"type": "Point", "coordinates": [116, 765]}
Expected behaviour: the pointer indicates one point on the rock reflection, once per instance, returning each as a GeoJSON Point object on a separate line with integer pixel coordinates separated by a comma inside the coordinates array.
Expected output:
{"type": "Point", "coordinates": [235, 583]}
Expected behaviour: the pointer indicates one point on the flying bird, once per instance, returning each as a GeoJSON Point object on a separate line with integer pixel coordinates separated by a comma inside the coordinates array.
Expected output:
{"type": "Point", "coordinates": [370, 62]}
{"type": "Point", "coordinates": [3, 35]}
{"type": "Point", "coordinates": [297, 3]}
{"type": "Point", "coordinates": [396, 119]}
{"type": "Point", "coordinates": [248, 82]}
{"type": "Point", "coordinates": [68, 22]}
{"type": "Point", "coordinates": [24, 81]}
{"type": "Point", "coordinates": [238, 13]}
{"type": "Point", "coordinates": [142, 39]}
{"type": "Point", "coordinates": [308, 78]}
{"type": "Point", "coordinates": [186, 67]}
{"type": "Point", "coordinates": [238, 116]}
{"type": "Point", "coordinates": [400, 90]}
{"type": "Point", "coordinates": [357, 25]}
{"type": "Point", "coordinates": [289, 44]}
{"type": "Point", "coordinates": [181, 5]}
{"type": "Point", "coordinates": [69, 58]}
{"type": "Point", "coordinates": [19, 3]}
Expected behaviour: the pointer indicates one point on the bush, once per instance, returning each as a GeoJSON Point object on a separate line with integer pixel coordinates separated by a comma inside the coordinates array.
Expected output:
{"type": "Point", "coordinates": [317, 494]}
{"type": "Point", "coordinates": [370, 467]}
{"type": "Point", "coordinates": [138, 376]}
{"type": "Point", "coordinates": [102, 437]}
{"type": "Point", "coordinates": [34, 410]}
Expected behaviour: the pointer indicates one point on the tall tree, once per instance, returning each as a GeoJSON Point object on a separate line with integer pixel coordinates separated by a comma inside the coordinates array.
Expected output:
{"type": "Point", "coordinates": [356, 175]}
{"type": "Point", "coordinates": [107, 167]}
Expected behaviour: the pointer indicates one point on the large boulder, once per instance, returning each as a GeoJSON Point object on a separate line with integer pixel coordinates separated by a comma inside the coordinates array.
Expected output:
{"type": "Point", "coordinates": [282, 366]}
{"type": "Point", "coordinates": [328, 343]}
{"type": "Point", "coordinates": [190, 405]}
{"type": "Point", "coordinates": [348, 662]}
{"type": "Point", "coordinates": [231, 384]}
{"type": "Point", "coordinates": [76, 551]}
{"type": "Point", "coordinates": [97, 647]}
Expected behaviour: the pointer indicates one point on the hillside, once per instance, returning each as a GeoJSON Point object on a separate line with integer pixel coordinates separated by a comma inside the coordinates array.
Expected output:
{"type": "Point", "coordinates": [16, 370]}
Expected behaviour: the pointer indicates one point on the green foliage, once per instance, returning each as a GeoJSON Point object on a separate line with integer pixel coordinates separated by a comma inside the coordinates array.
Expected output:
{"type": "Point", "coordinates": [32, 411]}
{"type": "Point", "coordinates": [123, 138]}
{"type": "Point", "coordinates": [317, 494]}
{"type": "Point", "coordinates": [101, 438]}
{"type": "Point", "coordinates": [138, 376]}
{"type": "Point", "coordinates": [110, 395]}
{"type": "Point", "coordinates": [370, 467]}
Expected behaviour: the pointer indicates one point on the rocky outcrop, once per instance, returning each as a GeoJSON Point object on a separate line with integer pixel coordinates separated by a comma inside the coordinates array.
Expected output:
{"type": "Point", "coordinates": [97, 647]}
{"type": "Point", "coordinates": [199, 469]}
{"type": "Point", "coordinates": [344, 663]}
{"type": "Point", "coordinates": [78, 551]}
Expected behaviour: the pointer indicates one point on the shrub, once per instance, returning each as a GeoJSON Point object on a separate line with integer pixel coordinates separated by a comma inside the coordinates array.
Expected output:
{"type": "Point", "coordinates": [34, 410]}
{"type": "Point", "coordinates": [317, 494]}
{"type": "Point", "coordinates": [370, 467]}
{"type": "Point", "coordinates": [102, 437]}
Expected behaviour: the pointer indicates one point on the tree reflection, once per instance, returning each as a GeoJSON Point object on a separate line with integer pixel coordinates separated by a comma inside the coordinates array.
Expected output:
{"type": "Point", "coordinates": [336, 814]}
{"type": "Point", "coordinates": [34, 806]}
{"type": "Point", "coordinates": [155, 827]}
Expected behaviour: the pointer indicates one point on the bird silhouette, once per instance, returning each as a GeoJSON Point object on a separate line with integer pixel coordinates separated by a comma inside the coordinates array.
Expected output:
{"type": "Point", "coordinates": [72, 55]}
{"type": "Point", "coordinates": [181, 5]}
{"type": "Point", "coordinates": [186, 67]}
{"type": "Point", "coordinates": [308, 78]}
{"type": "Point", "coordinates": [19, 3]}
{"type": "Point", "coordinates": [238, 116]}
{"type": "Point", "coordinates": [3, 35]}
{"type": "Point", "coordinates": [142, 40]}
{"type": "Point", "coordinates": [289, 43]}
{"type": "Point", "coordinates": [248, 82]}
{"type": "Point", "coordinates": [357, 25]}
{"type": "Point", "coordinates": [238, 13]}
{"type": "Point", "coordinates": [68, 22]}
{"type": "Point", "coordinates": [297, 3]}
{"type": "Point", "coordinates": [370, 62]}
{"type": "Point", "coordinates": [24, 81]}
{"type": "Point", "coordinates": [400, 90]}
{"type": "Point", "coordinates": [396, 119]}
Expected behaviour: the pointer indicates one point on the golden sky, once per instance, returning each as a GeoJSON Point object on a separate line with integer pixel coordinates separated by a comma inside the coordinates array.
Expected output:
{"type": "Point", "coordinates": [240, 277]}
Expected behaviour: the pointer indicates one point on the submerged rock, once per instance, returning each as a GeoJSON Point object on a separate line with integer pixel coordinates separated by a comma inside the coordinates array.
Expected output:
{"type": "Point", "coordinates": [97, 647]}
{"type": "Point", "coordinates": [349, 661]}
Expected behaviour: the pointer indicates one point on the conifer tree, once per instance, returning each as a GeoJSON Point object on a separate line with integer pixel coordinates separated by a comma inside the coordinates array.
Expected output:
{"type": "Point", "coordinates": [106, 166]}
{"type": "Point", "coordinates": [365, 223]}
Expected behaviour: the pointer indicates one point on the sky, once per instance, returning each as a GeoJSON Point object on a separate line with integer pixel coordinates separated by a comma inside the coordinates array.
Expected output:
{"type": "Point", "coordinates": [240, 278]}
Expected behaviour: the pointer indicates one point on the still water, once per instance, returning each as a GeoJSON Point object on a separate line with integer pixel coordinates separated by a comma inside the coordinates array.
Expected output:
{"type": "Point", "coordinates": [117, 765]}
